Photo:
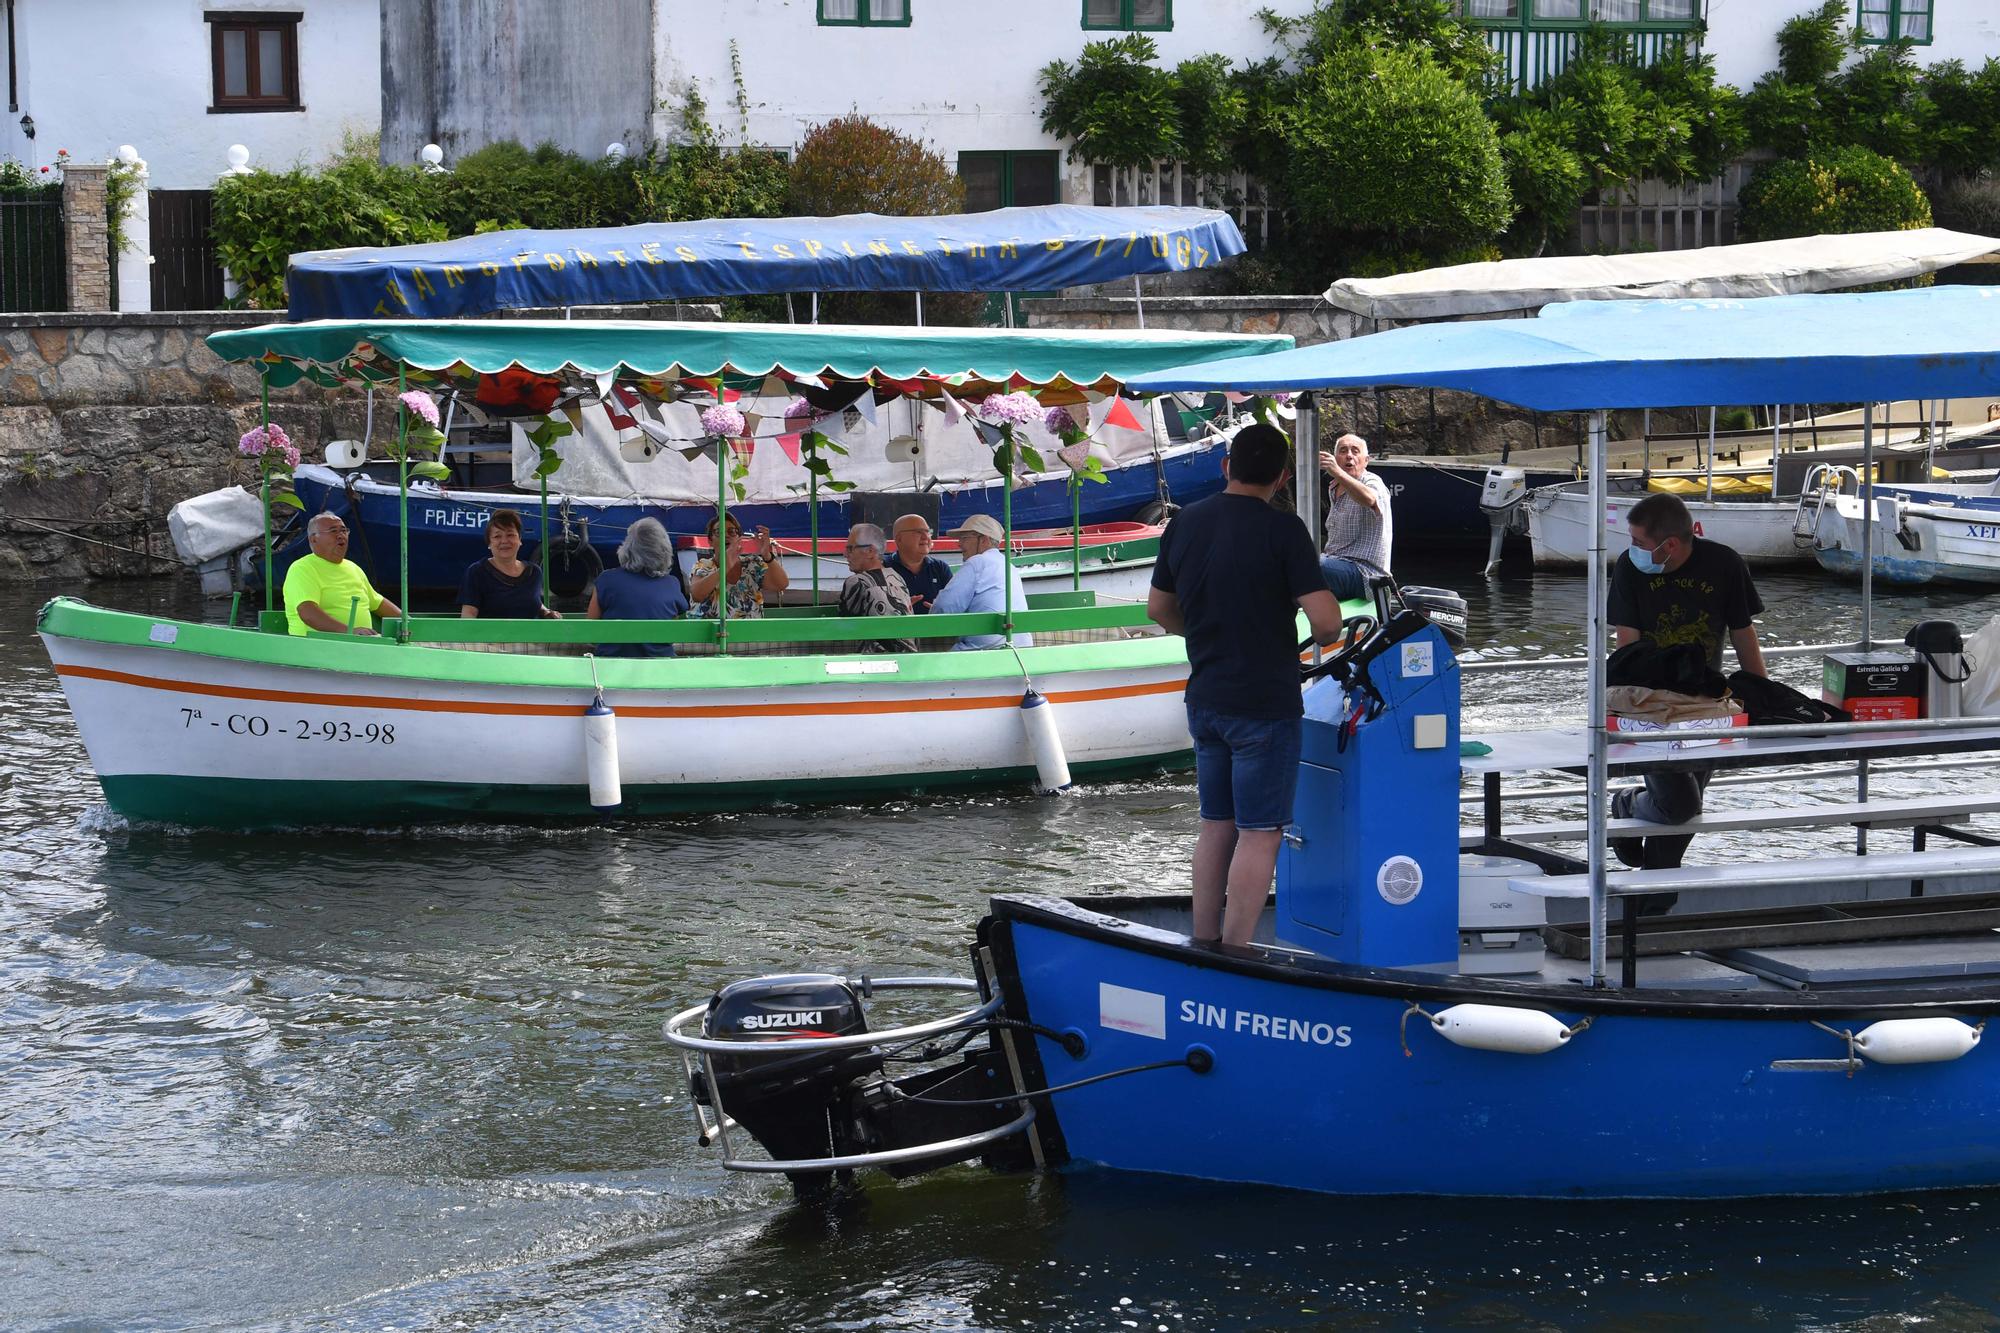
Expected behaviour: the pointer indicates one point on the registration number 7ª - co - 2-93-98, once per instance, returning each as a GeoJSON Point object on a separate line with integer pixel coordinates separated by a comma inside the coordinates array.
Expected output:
{"type": "Point", "coordinates": [253, 724]}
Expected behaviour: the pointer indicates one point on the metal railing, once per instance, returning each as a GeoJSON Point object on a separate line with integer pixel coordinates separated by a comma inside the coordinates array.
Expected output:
{"type": "Point", "coordinates": [32, 271]}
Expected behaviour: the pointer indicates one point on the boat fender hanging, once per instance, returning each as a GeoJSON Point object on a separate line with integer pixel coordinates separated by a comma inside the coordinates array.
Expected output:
{"type": "Point", "coordinates": [1916, 1041]}
{"type": "Point", "coordinates": [1493, 1027]}
{"type": "Point", "coordinates": [1051, 764]}
{"type": "Point", "coordinates": [600, 755]}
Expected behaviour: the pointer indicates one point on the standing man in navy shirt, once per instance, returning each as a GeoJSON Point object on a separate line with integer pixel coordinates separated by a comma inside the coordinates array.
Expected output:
{"type": "Point", "coordinates": [1231, 577]}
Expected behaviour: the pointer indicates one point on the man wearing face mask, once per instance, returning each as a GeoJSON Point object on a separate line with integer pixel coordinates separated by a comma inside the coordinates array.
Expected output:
{"type": "Point", "coordinates": [1673, 587]}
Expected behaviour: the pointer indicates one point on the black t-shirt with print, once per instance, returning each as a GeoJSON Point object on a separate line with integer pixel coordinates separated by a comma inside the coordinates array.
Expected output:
{"type": "Point", "coordinates": [1701, 602]}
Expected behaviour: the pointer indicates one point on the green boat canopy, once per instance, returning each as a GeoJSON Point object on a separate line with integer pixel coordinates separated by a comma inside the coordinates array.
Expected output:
{"type": "Point", "coordinates": [331, 351]}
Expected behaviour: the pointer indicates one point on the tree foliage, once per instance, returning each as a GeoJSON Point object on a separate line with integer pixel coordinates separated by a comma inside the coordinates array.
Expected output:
{"type": "Point", "coordinates": [1843, 189]}
{"type": "Point", "coordinates": [1114, 105]}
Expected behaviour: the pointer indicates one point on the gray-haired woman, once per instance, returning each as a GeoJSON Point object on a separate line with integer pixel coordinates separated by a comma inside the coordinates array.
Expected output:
{"type": "Point", "coordinates": [643, 587]}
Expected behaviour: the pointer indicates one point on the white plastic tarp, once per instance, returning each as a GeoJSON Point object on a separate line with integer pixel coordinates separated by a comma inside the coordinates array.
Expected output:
{"type": "Point", "coordinates": [1760, 268]}
{"type": "Point", "coordinates": [216, 523]}
{"type": "Point", "coordinates": [592, 464]}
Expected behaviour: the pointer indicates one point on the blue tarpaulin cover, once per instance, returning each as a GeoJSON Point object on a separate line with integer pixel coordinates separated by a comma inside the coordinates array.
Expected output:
{"type": "Point", "coordinates": [1936, 342]}
{"type": "Point", "coordinates": [1008, 249]}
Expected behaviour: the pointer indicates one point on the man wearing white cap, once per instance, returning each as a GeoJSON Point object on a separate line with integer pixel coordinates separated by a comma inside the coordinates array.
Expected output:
{"type": "Point", "coordinates": [977, 586]}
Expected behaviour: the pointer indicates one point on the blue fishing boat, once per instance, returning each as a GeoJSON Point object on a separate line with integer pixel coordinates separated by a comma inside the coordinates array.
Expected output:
{"type": "Point", "coordinates": [1358, 1045]}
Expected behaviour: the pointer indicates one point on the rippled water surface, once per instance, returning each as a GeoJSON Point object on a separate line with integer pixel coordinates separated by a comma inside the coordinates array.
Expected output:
{"type": "Point", "coordinates": [387, 1080]}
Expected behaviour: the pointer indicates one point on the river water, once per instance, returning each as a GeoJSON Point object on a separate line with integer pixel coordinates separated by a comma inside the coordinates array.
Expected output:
{"type": "Point", "coordinates": [414, 1080]}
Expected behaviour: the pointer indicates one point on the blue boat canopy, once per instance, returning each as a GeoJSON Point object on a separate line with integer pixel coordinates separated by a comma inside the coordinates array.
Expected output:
{"type": "Point", "coordinates": [1008, 249]}
{"type": "Point", "coordinates": [1936, 342]}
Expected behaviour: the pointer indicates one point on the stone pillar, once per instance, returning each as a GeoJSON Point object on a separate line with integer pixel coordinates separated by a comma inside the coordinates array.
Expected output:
{"type": "Point", "coordinates": [86, 241]}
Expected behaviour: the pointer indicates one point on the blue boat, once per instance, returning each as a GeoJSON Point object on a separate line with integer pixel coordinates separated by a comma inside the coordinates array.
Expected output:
{"type": "Point", "coordinates": [1355, 1046]}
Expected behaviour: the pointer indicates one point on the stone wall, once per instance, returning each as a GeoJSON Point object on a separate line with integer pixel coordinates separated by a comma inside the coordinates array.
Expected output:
{"type": "Point", "coordinates": [87, 237]}
{"type": "Point", "coordinates": [109, 420]}
{"type": "Point", "coordinates": [1308, 319]}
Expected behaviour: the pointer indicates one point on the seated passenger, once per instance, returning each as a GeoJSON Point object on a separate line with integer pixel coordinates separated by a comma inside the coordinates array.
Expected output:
{"type": "Point", "coordinates": [923, 573]}
{"type": "Point", "coordinates": [977, 587]}
{"type": "Point", "coordinates": [320, 588]}
{"type": "Point", "coordinates": [752, 578]}
{"type": "Point", "coordinates": [643, 587]}
{"type": "Point", "coordinates": [503, 585]}
{"type": "Point", "coordinates": [1360, 527]}
{"type": "Point", "coordinates": [872, 590]}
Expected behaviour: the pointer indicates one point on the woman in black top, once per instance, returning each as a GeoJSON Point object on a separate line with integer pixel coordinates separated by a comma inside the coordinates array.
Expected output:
{"type": "Point", "coordinates": [503, 585]}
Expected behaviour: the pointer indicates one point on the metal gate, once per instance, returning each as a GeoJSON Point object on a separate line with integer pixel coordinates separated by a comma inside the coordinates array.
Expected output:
{"type": "Point", "coordinates": [186, 273]}
{"type": "Point", "coordinates": [32, 273]}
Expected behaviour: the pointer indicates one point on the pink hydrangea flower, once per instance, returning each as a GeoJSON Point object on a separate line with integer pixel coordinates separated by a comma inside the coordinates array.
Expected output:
{"type": "Point", "coordinates": [1284, 399]}
{"type": "Point", "coordinates": [419, 404]}
{"type": "Point", "coordinates": [1011, 409]}
{"type": "Point", "coordinates": [1058, 422]}
{"type": "Point", "coordinates": [723, 421]}
{"type": "Point", "coordinates": [799, 409]}
{"type": "Point", "coordinates": [260, 439]}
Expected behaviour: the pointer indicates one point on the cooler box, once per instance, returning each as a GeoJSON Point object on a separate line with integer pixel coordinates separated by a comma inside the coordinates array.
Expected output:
{"type": "Point", "coordinates": [1880, 686]}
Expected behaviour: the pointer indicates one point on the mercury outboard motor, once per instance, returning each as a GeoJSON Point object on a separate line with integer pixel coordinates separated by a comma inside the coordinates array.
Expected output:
{"type": "Point", "coordinates": [788, 1102]}
{"type": "Point", "coordinates": [1443, 608]}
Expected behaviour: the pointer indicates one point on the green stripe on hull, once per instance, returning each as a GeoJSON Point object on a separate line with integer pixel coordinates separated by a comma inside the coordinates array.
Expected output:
{"type": "Point", "coordinates": [247, 804]}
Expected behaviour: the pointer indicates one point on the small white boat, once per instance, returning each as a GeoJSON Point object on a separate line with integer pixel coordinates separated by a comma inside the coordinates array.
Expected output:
{"type": "Point", "coordinates": [1929, 534]}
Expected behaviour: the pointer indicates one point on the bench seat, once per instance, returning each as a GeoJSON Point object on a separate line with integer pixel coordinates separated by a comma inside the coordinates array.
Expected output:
{"type": "Point", "coordinates": [1945, 863]}
{"type": "Point", "coordinates": [1873, 814]}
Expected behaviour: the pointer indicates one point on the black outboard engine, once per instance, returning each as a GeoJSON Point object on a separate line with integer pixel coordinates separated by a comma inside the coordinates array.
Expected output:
{"type": "Point", "coordinates": [1443, 608]}
{"type": "Point", "coordinates": [789, 1103]}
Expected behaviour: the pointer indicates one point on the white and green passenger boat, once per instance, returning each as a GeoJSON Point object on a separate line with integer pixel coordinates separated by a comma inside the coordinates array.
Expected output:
{"type": "Point", "coordinates": [443, 718]}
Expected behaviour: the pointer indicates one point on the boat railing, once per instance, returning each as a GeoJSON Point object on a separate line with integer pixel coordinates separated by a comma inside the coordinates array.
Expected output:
{"type": "Point", "coordinates": [800, 629]}
{"type": "Point", "coordinates": [1474, 666]}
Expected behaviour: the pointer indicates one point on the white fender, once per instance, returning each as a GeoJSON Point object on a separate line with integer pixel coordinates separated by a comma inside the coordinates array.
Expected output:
{"type": "Point", "coordinates": [1039, 721]}
{"type": "Point", "coordinates": [600, 755]}
{"type": "Point", "coordinates": [1492, 1027]}
{"type": "Point", "coordinates": [1915, 1041]}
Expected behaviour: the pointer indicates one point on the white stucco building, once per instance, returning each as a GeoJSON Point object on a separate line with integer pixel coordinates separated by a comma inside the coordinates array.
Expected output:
{"type": "Point", "coordinates": [182, 80]}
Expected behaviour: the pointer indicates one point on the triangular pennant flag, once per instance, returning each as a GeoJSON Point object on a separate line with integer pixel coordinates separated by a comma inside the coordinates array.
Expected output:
{"type": "Point", "coordinates": [1074, 456]}
{"type": "Point", "coordinates": [572, 412]}
{"type": "Point", "coordinates": [742, 446]}
{"type": "Point", "coordinates": [654, 431]}
{"type": "Point", "coordinates": [790, 444]}
{"type": "Point", "coordinates": [1121, 415]}
{"type": "Point", "coordinates": [618, 406]}
{"type": "Point", "coordinates": [774, 387]}
{"type": "Point", "coordinates": [730, 395]}
{"type": "Point", "coordinates": [604, 383]}
{"type": "Point", "coordinates": [1100, 409]}
{"type": "Point", "coordinates": [699, 451]}
{"type": "Point", "coordinates": [750, 422]}
{"type": "Point", "coordinates": [865, 405]}
{"type": "Point", "coordinates": [809, 381]}
{"type": "Point", "coordinates": [953, 413]}
{"type": "Point", "coordinates": [987, 431]}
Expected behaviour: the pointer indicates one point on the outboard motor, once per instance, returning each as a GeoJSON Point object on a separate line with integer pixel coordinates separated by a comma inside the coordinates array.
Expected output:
{"type": "Point", "coordinates": [792, 1060]}
{"type": "Point", "coordinates": [1501, 496]}
{"type": "Point", "coordinates": [787, 1102]}
{"type": "Point", "coordinates": [1443, 608]}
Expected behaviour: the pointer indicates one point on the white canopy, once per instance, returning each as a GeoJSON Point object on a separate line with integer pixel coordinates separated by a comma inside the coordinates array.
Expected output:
{"type": "Point", "coordinates": [1760, 268]}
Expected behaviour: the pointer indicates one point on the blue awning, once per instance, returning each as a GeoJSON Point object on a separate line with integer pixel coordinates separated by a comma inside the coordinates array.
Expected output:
{"type": "Point", "coordinates": [1937, 342]}
{"type": "Point", "coordinates": [1008, 249]}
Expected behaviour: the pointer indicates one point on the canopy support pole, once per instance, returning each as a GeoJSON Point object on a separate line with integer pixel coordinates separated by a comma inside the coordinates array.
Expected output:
{"type": "Point", "coordinates": [815, 310]}
{"type": "Point", "coordinates": [547, 548]}
{"type": "Point", "coordinates": [1867, 526]}
{"type": "Point", "coordinates": [1075, 533]}
{"type": "Point", "coordinates": [920, 309]}
{"type": "Point", "coordinates": [812, 527]}
{"type": "Point", "coordinates": [1711, 456]}
{"type": "Point", "coordinates": [1646, 449]}
{"type": "Point", "coordinates": [1596, 777]}
{"type": "Point", "coordinates": [403, 498]}
{"type": "Point", "coordinates": [1007, 542]}
{"type": "Point", "coordinates": [1138, 301]}
{"type": "Point", "coordinates": [1777, 412]}
{"type": "Point", "coordinates": [264, 489]}
{"type": "Point", "coordinates": [1305, 465]}
{"type": "Point", "coordinates": [721, 549]}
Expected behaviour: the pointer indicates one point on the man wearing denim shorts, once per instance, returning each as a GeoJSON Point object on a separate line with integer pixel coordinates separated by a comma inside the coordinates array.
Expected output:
{"type": "Point", "coordinates": [1231, 576]}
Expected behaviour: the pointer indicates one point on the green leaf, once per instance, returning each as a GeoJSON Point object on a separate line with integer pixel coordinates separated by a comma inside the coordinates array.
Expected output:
{"type": "Point", "coordinates": [287, 498]}
{"type": "Point", "coordinates": [840, 485]}
{"type": "Point", "coordinates": [431, 471]}
{"type": "Point", "coordinates": [550, 462]}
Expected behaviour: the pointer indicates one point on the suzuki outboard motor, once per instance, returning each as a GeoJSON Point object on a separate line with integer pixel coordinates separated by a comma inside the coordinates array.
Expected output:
{"type": "Point", "coordinates": [788, 1102]}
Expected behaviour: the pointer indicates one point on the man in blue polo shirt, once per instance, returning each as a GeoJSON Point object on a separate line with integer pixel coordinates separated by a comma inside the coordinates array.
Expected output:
{"type": "Point", "coordinates": [1232, 575]}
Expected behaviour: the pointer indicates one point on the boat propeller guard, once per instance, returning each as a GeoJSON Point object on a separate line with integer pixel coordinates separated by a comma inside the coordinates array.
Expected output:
{"type": "Point", "coordinates": [791, 1061]}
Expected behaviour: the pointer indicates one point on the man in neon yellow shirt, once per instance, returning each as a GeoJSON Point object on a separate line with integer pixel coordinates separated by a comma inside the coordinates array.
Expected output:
{"type": "Point", "coordinates": [322, 586]}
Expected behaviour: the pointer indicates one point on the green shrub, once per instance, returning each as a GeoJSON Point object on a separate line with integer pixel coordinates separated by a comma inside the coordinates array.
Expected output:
{"type": "Point", "coordinates": [545, 188]}
{"type": "Point", "coordinates": [1811, 46]}
{"type": "Point", "coordinates": [263, 218]}
{"type": "Point", "coordinates": [1547, 181]}
{"type": "Point", "coordinates": [1390, 148]}
{"type": "Point", "coordinates": [1114, 105]}
{"type": "Point", "coordinates": [1969, 205]}
{"type": "Point", "coordinates": [1209, 110]}
{"type": "Point", "coordinates": [1842, 190]}
{"type": "Point", "coordinates": [852, 165]}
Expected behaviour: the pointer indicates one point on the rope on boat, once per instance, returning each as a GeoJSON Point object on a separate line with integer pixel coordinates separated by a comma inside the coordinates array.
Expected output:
{"type": "Point", "coordinates": [77, 537]}
{"type": "Point", "coordinates": [1198, 1058]}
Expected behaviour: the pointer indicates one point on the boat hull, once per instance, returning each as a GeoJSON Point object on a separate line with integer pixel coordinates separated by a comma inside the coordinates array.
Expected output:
{"type": "Point", "coordinates": [1914, 543]}
{"type": "Point", "coordinates": [218, 727]}
{"type": "Point", "coordinates": [1759, 530]}
{"type": "Point", "coordinates": [1434, 501]}
{"type": "Point", "coordinates": [1324, 1078]}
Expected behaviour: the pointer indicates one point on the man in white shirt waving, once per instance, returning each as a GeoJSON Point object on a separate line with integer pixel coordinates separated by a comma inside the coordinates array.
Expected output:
{"type": "Point", "coordinates": [977, 587]}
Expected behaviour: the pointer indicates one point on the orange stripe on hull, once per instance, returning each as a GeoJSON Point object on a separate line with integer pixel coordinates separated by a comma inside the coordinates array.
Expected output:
{"type": "Point", "coordinates": [494, 708]}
